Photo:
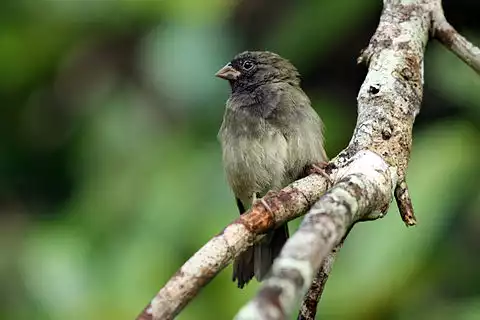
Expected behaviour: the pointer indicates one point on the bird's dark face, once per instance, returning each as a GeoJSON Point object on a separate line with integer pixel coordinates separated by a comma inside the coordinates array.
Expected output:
{"type": "Point", "coordinates": [251, 69]}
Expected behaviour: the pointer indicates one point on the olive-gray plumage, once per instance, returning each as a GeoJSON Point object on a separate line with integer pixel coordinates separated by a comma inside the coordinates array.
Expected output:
{"type": "Point", "coordinates": [269, 135]}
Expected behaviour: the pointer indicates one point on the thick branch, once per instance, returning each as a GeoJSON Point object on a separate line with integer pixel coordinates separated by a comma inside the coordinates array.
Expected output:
{"type": "Point", "coordinates": [372, 166]}
{"type": "Point", "coordinates": [287, 204]}
{"type": "Point", "coordinates": [454, 41]}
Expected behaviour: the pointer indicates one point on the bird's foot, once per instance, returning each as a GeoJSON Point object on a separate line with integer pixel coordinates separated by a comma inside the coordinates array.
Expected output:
{"type": "Point", "coordinates": [320, 168]}
{"type": "Point", "coordinates": [265, 204]}
{"type": "Point", "coordinates": [262, 201]}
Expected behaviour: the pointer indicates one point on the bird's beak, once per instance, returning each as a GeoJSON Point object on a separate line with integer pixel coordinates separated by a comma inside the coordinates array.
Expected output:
{"type": "Point", "coordinates": [228, 73]}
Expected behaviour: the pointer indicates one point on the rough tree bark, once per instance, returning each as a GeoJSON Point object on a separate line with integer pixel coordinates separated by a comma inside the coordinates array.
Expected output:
{"type": "Point", "coordinates": [366, 175]}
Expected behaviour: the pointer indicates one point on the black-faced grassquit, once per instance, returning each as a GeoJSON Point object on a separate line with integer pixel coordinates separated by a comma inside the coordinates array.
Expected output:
{"type": "Point", "coordinates": [270, 134]}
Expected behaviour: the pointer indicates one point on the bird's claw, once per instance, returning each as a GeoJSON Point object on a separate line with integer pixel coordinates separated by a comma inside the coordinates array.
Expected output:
{"type": "Point", "coordinates": [262, 201]}
{"type": "Point", "coordinates": [319, 168]}
{"type": "Point", "coordinates": [265, 204]}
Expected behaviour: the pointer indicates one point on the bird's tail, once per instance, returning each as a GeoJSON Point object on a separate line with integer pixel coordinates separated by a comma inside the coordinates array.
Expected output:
{"type": "Point", "coordinates": [267, 250]}
{"type": "Point", "coordinates": [258, 259]}
{"type": "Point", "coordinates": [243, 267]}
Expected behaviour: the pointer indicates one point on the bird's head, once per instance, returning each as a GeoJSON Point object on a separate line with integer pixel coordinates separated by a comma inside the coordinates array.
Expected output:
{"type": "Point", "coordinates": [251, 69]}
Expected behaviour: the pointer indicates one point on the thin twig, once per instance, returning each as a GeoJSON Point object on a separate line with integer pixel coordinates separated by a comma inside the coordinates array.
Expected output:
{"type": "Point", "coordinates": [308, 310]}
{"type": "Point", "coordinates": [454, 41]}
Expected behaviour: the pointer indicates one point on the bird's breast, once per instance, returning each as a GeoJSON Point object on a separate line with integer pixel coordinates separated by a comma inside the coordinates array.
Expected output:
{"type": "Point", "coordinates": [254, 158]}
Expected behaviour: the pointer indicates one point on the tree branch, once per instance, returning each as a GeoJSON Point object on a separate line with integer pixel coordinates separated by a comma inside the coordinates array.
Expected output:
{"type": "Point", "coordinates": [450, 38]}
{"type": "Point", "coordinates": [365, 175]}
{"type": "Point", "coordinates": [370, 168]}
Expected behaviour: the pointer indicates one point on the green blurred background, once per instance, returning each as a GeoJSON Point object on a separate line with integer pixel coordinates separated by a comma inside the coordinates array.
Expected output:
{"type": "Point", "coordinates": [110, 172]}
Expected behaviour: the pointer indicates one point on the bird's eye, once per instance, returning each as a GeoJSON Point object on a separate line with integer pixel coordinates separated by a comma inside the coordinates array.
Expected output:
{"type": "Point", "coordinates": [247, 65]}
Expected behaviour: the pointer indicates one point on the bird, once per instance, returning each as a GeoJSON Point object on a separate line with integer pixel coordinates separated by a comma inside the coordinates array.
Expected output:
{"type": "Point", "coordinates": [270, 136]}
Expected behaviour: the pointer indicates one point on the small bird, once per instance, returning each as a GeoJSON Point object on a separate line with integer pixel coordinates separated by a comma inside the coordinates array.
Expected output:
{"type": "Point", "coordinates": [270, 137]}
